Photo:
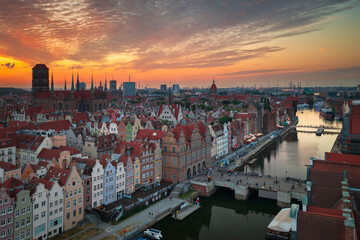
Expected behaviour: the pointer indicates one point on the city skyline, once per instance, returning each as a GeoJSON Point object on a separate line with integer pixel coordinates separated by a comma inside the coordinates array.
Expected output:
{"type": "Point", "coordinates": [237, 43]}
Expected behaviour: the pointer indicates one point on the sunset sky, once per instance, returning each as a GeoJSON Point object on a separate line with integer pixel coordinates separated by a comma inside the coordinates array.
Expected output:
{"type": "Point", "coordinates": [185, 42]}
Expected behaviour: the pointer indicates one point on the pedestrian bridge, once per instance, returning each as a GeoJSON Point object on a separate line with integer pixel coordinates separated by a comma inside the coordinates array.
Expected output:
{"type": "Point", "coordinates": [317, 127]}
{"type": "Point", "coordinates": [283, 190]}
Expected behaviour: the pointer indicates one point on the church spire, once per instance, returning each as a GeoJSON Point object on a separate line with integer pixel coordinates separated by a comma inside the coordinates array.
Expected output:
{"type": "Point", "coordinates": [105, 83]}
{"type": "Point", "coordinates": [72, 81]}
{"type": "Point", "coordinates": [65, 84]}
{"type": "Point", "coordinates": [77, 83]}
{"type": "Point", "coordinates": [52, 80]}
{"type": "Point", "coordinates": [213, 80]}
{"type": "Point", "coordinates": [92, 82]}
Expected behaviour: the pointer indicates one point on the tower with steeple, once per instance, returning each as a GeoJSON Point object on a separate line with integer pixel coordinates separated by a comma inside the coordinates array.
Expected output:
{"type": "Point", "coordinates": [52, 81]}
{"type": "Point", "coordinates": [72, 82]}
{"type": "Point", "coordinates": [213, 89]}
{"type": "Point", "coordinates": [77, 83]}
{"type": "Point", "coordinates": [45, 95]}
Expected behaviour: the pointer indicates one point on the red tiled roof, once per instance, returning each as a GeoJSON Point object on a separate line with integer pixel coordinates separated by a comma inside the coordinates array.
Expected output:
{"type": "Point", "coordinates": [55, 125]}
{"type": "Point", "coordinates": [58, 173]}
{"type": "Point", "coordinates": [7, 166]}
{"type": "Point", "coordinates": [11, 183]}
{"type": "Point", "coordinates": [48, 184]}
{"type": "Point", "coordinates": [150, 134]}
{"type": "Point", "coordinates": [72, 150]}
{"type": "Point", "coordinates": [107, 141]}
{"type": "Point", "coordinates": [49, 154]}
{"type": "Point", "coordinates": [80, 117]}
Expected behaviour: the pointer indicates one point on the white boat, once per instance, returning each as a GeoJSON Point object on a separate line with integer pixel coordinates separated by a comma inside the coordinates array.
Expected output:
{"type": "Point", "coordinates": [153, 233]}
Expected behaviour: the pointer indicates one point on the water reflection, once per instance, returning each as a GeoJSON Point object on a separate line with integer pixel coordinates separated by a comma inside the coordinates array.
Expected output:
{"type": "Point", "coordinates": [289, 156]}
{"type": "Point", "coordinates": [223, 217]}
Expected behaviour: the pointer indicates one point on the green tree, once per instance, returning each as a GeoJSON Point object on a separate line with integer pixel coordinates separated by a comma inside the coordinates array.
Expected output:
{"type": "Point", "coordinates": [225, 119]}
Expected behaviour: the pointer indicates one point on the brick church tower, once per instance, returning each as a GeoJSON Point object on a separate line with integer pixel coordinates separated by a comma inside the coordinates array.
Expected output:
{"type": "Point", "coordinates": [40, 78]}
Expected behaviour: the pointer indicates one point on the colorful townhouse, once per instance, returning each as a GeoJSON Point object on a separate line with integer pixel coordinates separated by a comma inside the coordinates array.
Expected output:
{"type": "Point", "coordinates": [7, 215]}
{"type": "Point", "coordinates": [129, 174]}
{"type": "Point", "coordinates": [73, 206]}
{"type": "Point", "coordinates": [120, 179]}
{"type": "Point", "coordinates": [95, 170]}
{"type": "Point", "coordinates": [109, 182]}
{"type": "Point", "coordinates": [155, 136]}
{"type": "Point", "coordinates": [23, 214]}
{"type": "Point", "coordinates": [47, 198]}
{"type": "Point", "coordinates": [143, 155]}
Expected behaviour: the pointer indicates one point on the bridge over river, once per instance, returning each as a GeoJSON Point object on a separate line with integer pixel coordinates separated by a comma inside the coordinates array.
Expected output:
{"type": "Point", "coordinates": [281, 189]}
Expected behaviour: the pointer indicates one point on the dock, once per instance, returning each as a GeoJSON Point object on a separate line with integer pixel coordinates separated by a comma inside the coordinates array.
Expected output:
{"type": "Point", "coordinates": [186, 212]}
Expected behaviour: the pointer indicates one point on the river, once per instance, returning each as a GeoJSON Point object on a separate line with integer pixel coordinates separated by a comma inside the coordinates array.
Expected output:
{"type": "Point", "coordinates": [289, 157]}
{"type": "Point", "coordinates": [223, 217]}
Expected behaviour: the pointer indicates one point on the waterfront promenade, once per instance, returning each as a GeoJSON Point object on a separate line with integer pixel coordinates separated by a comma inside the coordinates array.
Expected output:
{"type": "Point", "coordinates": [136, 223]}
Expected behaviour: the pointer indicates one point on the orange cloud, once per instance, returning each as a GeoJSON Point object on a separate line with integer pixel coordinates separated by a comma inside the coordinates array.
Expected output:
{"type": "Point", "coordinates": [325, 49]}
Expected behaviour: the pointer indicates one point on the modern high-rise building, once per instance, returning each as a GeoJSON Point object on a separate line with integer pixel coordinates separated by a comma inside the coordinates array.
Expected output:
{"type": "Point", "coordinates": [163, 87]}
{"type": "Point", "coordinates": [113, 85]}
{"type": "Point", "coordinates": [176, 88]}
{"type": "Point", "coordinates": [129, 89]}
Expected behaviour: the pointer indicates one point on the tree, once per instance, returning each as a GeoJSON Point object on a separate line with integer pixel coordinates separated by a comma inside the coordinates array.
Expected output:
{"type": "Point", "coordinates": [209, 108]}
{"type": "Point", "coordinates": [225, 119]}
{"type": "Point", "coordinates": [235, 102]}
{"type": "Point", "coordinates": [310, 102]}
{"type": "Point", "coordinates": [226, 102]}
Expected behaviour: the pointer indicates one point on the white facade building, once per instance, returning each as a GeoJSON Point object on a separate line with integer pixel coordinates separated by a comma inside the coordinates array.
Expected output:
{"type": "Point", "coordinates": [97, 175]}
{"type": "Point", "coordinates": [120, 180]}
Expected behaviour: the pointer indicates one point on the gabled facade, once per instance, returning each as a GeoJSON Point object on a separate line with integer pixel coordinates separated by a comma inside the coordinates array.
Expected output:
{"type": "Point", "coordinates": [129, 174]}
{"type": "Point", "coordinates": [186, 151]}
{"type": "Point", "coordinates": [7, 215]}
{"type": "Point", "coordinates": [109, 182]}
{"type": "Point", "coordinates": [23, 214]}
{"type": "Point", "coordinates": [97, 175]}
{"type": "Point", "coordinates": [171, 113]}
{"type": "Point", "coordinates": [73, 208]}
{"type": "Point", "coordinates": [120, 179]}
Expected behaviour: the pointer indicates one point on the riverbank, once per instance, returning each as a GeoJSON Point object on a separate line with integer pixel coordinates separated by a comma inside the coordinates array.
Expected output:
{"type": "Point", "coordinates": [241, 162]}
{"type": "Point", "coordinates": [137, 223]}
